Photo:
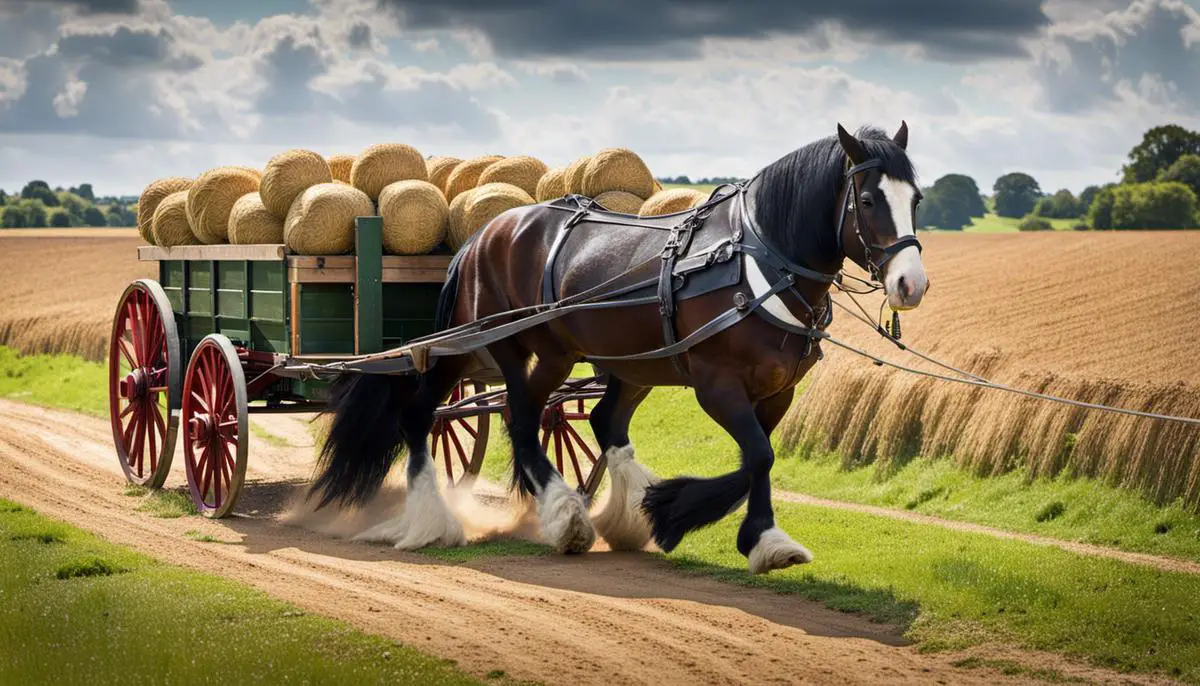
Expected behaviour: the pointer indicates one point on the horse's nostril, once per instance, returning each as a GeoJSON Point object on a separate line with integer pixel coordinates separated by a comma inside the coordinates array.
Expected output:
{"type": "Point", "coordinates": [902, 284]}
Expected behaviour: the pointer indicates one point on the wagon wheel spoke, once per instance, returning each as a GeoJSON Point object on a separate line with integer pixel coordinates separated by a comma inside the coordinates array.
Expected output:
{"type": "Point", "coordinates": [468, 428]}
{"type": "Point", "coordinates": [462, 454]}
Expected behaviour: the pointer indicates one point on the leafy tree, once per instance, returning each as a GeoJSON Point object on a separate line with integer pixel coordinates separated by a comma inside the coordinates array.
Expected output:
{"type": "Point", "coordinates": [1016, 194]}
{"type": "Point", "coordinates": [60, 219]}
{"type": "Point", "coordinates": [965, 190]}
{"type": "Point", "coordinates": [3, 198]}
{"type": "Point", "coordinates": [1159, 205]}
{"type": "Point", "coordinates": [85, 191]}
{"type": "Point", "coordinates": [1160, 147]}
{"type": "Point", "coordinates": [75, 207]}
{"type": "Point", "coordinates": [35, 214]}
{"type": "Point", "coordinates": [28, 192]}
{"type": "Point", "coordinates": [1086, 198]}
{"type": "Point", "coordinates": [1185, 170]}
{"type": "Point", "coordinates": [1034, 223]}
{"type": "Point", "coordinates": [92, 216]}
{"type": "Point", "coordinates": [13, 217]}
{"type": "Point", "coordinates": [1062, 205]}
{"type": "Point", "coordinates": [40, 190]}
{"type": "Point", "coordinates": [1101, 211]}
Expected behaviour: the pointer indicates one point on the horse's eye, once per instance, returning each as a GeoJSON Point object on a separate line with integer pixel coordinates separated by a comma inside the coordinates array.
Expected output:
{"type": "Point", "coordinates": [866, 199]}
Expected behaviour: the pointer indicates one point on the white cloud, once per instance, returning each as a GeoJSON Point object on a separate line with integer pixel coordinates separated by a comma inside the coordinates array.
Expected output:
{"type": "Point", "coordinates": [558, 72]}
{"type": "Point", "coordinates": [66, 103]}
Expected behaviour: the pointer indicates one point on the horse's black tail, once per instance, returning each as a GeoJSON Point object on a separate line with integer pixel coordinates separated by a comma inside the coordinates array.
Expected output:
{"type": "Point", "coordinates": [365, 438]}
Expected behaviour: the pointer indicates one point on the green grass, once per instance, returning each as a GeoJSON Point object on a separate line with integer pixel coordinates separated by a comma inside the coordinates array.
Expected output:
{"type": "Point", "coordinates": [267, 437]}
{"type": "Point", "coordinates": [673, 436]}
{"type": "Point", "coordinates": [954, 589]}
{"type": "Point", "coordinates": [492, 548]}
{"type": "Point", "coordinates": [992, 223]}
{"type": "Point", "coordinates": [63, 381]}
{"type": "Point", "coordinates": [167, 504]}
{"type": "Point", "coordinates": [84, 611]}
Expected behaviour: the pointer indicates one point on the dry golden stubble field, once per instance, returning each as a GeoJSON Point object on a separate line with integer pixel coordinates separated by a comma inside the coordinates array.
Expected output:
{"type": "Point", "coordinates": [1105, 317]}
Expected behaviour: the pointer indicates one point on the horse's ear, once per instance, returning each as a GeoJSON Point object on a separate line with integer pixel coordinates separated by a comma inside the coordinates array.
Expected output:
{"type": "Point", "coordinates": [854, 149]}
{"type": "Point", "coordinates": [901, 136]}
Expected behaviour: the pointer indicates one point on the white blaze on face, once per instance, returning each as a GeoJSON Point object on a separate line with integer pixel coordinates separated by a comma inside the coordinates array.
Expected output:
{"type": "Point", "coordinates": [905, 265]}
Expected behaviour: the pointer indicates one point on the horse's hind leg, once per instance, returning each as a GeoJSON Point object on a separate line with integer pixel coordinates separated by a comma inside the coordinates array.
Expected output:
{"type": "Point", "coordinates": [621, 523]}
{"type": "Point", "coordinates": [426, 519]}
{"type": "Point", "coordinates": [765, 545]}
{"type": "Point", "coordinates": [562, 512]}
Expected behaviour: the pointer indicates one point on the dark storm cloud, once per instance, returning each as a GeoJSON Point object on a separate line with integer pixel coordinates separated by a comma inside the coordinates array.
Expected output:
{"type": "Point", "coordinates": [123, 46]}
{"type": "Point", "coordinates": [360, 35]}
{"type": "Point", "coordinates": [85, 6]}
{"type": "Point", "coordinates": [1145, 41]}
{"type": "Point", "coordinates": [646, 29]}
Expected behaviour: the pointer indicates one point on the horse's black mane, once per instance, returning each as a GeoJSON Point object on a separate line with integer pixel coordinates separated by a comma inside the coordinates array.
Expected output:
{"type": "Point", "coordinates": [796, 197]}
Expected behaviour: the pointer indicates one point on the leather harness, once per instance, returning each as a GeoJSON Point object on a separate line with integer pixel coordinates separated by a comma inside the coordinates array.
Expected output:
{"type": "Point", "coordinates": [746, 237]}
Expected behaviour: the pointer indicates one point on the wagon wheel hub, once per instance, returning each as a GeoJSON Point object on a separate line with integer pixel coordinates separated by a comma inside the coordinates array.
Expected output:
{"type": "Point", "coordinates": [552, 417]}
{"type": "Point", "coordinates": [200, 428]}
{"type": "Point", "coordinates": [134, 385]}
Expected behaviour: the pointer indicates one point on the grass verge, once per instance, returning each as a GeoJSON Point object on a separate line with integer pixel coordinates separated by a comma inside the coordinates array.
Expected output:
{"type": "Point", "coordinates": [80, 610]}
{"type": "Point", "coordinates": [954, 589]}
{"type": "Point", "coordinates": [673, 436]}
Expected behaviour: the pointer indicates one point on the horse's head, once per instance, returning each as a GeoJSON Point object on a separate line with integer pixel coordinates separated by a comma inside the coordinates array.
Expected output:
{"type": "Point", "coordinates": [878, 225]}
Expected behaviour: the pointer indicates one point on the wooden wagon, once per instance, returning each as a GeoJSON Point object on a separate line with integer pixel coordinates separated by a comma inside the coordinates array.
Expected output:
{"type": "Point", "coordinates": [217, 336]}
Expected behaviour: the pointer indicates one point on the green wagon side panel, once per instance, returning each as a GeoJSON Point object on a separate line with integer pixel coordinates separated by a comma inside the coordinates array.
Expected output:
{"type": "Point", "coordinates": [326, 319]}
{"type": "Point", "coordinates": [244, 300]}
{"type": "Point", "coordinates": [409, 310]}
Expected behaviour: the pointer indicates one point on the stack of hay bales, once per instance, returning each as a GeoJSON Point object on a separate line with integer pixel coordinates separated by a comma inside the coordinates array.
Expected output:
{"type": "Point", "coordinates": [310, 202]}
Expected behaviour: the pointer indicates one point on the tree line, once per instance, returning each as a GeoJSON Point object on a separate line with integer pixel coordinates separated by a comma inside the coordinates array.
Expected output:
{"type": "Point", "coordinates": [1159, 189]}
{"type": "Point", "coordinates": [38, 205]}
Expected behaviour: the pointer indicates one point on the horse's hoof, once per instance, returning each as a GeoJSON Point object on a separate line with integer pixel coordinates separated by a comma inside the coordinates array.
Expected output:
{"type": "Point", "coordinates": [564, 519]}
{"type": "Point", "coordinates": [776, 550]}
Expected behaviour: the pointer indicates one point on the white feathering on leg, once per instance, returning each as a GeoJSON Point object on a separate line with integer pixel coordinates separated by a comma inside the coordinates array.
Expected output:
{"type": "Point", "coordinates": [426, 519]}
{"type": "Point", "coordinates": [562, 515]}
{"type": "Point", "coordinates": [776, 550]}
{"type": "Point", "coordinates": [621, 523]}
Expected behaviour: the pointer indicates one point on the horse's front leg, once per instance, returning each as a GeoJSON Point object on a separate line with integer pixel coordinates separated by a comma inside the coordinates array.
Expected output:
{"type": "Point", "coordinates": [765, 544]}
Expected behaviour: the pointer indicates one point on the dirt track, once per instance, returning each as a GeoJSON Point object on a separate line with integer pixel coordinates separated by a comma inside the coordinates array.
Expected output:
{"type": "Point", "coordinates": [604, 618]}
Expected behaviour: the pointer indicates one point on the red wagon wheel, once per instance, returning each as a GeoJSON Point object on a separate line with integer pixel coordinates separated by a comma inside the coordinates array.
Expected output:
{"type": "Point", "coordinates": [564, 425]}
{"type": "Point", "coordinates": [459, 434]}
{"type": "Point", "coordinates": [215, 417]}
{"type": "Point", "coordinates": [143, 383]}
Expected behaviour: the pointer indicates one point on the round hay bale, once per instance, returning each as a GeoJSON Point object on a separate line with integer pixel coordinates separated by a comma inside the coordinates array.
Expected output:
{"type": "Point", "coordinates": [251, 222]}
{"type": "Point", "coordinates": [439, 169]}
{"type": "Point", "coordinates": [671, 201]}
{"type": "Point", "coordinates": [321, 221]}
{"type": "Point", "coordinates": [456, 230]}
{"type": "Point", "coordinates": [251, 170]}
{"type": "Point", "coordinates": [339, 167]}
{"type": "Point", "coordinates": [169, 225]}
{"type": "Point", "coordinates": [414, 217]}
{"type": "Point", "coordinates": [466, 174]}
{"type": "Point", "coordinates": [287, 175]}
{"type": "Point", "coordinates": [211, 199]}
{"type": "Point", "coordinates": [552, 185]}
{"type": "Point", "coordinates": [386, 163]}
{"type": "Point", "coordinates": [617, 169]}
{"type": "Point", "coordinates": [573, 176]}
{"type": "Point", "coordinates": [620, 201]}
{"type": "Point", "coordinates": [522, 171]}
{"type": "Point", "coordinates": [151, 197]}
{"type": "Point", "coordinates": [485, 204]}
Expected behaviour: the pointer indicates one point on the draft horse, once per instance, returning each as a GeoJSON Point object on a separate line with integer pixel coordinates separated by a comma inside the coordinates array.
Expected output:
{"type": "Point", "coordinates": [724, 298]}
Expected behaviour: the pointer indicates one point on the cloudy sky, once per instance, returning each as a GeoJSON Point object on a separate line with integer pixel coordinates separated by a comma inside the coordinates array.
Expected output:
{"type": "Point", "coordinates": [120, 92]}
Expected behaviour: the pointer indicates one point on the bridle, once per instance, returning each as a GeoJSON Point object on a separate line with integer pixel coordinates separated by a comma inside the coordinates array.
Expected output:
{"type": "Point", "coordinates": [874, 267]}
